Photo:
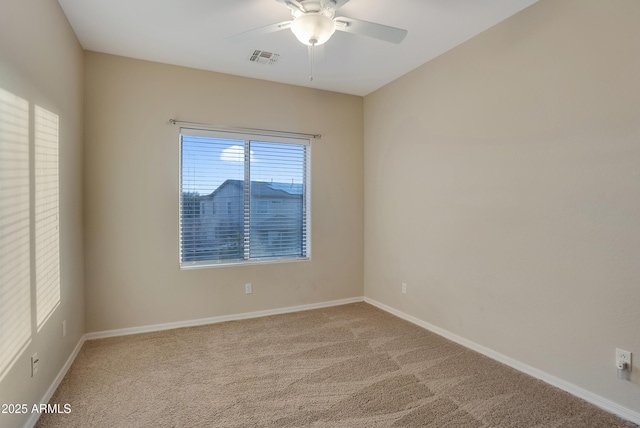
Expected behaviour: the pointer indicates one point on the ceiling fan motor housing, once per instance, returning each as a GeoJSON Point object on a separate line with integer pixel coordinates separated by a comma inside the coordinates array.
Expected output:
{"type": "Point", "coordinates": [313, 28]}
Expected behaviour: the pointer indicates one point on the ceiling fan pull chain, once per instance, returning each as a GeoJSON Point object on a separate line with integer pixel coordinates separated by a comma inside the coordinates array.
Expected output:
{"type": "Point", "coordinates": [311, 62]}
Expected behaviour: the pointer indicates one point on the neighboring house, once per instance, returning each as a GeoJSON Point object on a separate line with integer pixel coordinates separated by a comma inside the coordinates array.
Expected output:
{"type": "Point", "coordinates": [276, 220]}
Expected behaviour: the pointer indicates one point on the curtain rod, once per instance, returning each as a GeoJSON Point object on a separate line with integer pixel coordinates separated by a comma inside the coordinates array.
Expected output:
{"type": "Point", "coordinates": [255, 131]}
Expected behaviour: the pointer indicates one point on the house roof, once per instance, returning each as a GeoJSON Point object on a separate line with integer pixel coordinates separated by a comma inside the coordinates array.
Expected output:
{"type": "Point", "coordinates": [263, 189]}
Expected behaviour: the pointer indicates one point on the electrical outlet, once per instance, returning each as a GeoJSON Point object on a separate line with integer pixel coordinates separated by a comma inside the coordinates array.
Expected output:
{"type": "Point", "coordinates": [64, 328]}
{"type": "Point", "coordinates": [624, 358]}
{"type": "Point", "coordinates": [404, 288]}
{"type": "Point", "coordinates": [34, 364]}
{"type": "Point", "coordinates": [248, 288]}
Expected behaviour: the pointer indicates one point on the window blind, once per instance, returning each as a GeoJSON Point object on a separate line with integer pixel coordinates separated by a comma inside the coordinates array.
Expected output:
{"type": "Point", "coordinates": [15, 258]}
{"type": "Point", "coordinates": [242, 198]}
{"type": "Point", "coordinates": [46, 214]}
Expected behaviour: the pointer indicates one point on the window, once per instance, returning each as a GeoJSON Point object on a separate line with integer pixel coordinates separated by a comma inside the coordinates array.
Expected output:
{"type": "Point", "coordinates": [46, 220]}
{"type": "Point", "coordinates": [261, 184]}
{"type": "Point", "coordinates": [29, 232]}
{"type": "Point", "coordinates": [15, 253]}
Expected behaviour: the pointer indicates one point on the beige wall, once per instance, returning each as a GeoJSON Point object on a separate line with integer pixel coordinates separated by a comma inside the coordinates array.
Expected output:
{"type": "Point", "coordinates": [502, 184]}
{"type": "Point", "coordinates": [131, 193]}
{"type": "Point", "coordinates": [519, 149]}
{"type": "Point", "coordinates": [41, 62]}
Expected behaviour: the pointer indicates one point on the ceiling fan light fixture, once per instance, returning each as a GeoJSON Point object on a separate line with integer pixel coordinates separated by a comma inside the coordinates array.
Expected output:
{"type": "Point", "coordinates": [313, 29]}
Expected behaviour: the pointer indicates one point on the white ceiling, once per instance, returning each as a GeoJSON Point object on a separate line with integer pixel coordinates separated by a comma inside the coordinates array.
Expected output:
{"type": "Point", "coordinates": [193, 33]}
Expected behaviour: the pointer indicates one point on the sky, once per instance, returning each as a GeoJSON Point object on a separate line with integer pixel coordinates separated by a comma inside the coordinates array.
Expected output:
{"type": "Point", "coordinates": [208, 162]}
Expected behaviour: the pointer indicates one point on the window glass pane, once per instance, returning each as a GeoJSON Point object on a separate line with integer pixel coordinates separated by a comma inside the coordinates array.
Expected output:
{"type": "Point", "coordinates": [242, 200]}
{"type": "Point", "coordinates": [212, 200]}
{"type": "Point", "coordinates": [15, 270]}
{"type": "Point", "coordinates": [46, 204]}
{"type": "Point", "coordinates": [277, 196]}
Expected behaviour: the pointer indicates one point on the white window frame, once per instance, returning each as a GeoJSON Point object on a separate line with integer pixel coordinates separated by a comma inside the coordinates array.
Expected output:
{"type": "Point", "coordinates": [247, 138]}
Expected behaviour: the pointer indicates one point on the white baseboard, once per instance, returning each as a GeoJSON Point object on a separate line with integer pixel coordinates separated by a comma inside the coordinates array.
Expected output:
{"type": "Point", "coordinates": [588, 396]}
{"type": "Point", "coordinates": [215, 320]}
{"type": "Point", "coordinates": [33, 419]}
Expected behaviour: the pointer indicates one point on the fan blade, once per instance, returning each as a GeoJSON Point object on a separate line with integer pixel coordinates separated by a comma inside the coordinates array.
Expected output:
{"type": "Point", "coordinates": [370, 29]}
{"type": "Point", "coordinates": [292, 4]}
{"type": "Point", "coordinates": [260, 31]}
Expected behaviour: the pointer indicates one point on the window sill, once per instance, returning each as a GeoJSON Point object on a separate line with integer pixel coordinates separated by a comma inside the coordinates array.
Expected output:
{"type": "Point", "coordinates": [204, 265]}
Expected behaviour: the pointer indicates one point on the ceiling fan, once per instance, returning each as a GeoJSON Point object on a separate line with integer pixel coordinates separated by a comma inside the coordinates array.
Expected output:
{"type": "Point", "coordinates": [314, 22]}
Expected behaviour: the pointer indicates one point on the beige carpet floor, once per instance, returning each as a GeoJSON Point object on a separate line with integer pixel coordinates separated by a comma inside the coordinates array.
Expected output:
{"type": "Point", "coordinates": [346, 366]}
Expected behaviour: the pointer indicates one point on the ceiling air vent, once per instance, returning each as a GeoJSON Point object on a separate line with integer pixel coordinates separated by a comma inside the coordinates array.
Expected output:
{"type": "Point", "coordinates": [262, 57]}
